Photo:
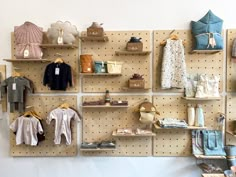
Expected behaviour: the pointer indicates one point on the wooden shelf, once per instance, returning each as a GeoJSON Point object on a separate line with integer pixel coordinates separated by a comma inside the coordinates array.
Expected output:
{"type": "Point", "coordinates": [213, 175]}
{"type": "Point", "coordinates": [114, 133]}
{"type": "Point", "coordinates": [98, 149]}
{"type": "Point", "coordinates": [201, 99]}
{"type": "Point", "coordinates": [104, 106]}
{"type": "Point", "coordinates": [209, 157]}
{"type": "Point", "coordinates": [135, 89]}
{"type": "Point", "coordinates": [100, 74]}
{"type": "Point", "coordinates": [188, 128]}
{"type": "Point", "coordinates": [27, 60]}
{"type": "Point", "coordinates": [132, 52]}
{"type": "Point", "coordinates": [205, 51]}
{"type": "Point", "coordinates": [230, 132]}
{"type": "Point", "coordinates": [72, 46]}
{"type": "Point", "coordinates": [91, 38]}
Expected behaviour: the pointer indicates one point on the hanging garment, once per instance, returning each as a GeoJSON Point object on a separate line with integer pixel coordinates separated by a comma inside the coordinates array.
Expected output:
{"type": "Point", "coordinates": [62, 119]}
{"type": "Point", "coordinates": [16, 87]}
{"type": "Point", "coordinates": [173, 72]}
{"type": "Point", "coordinates": [57, 76]}
{"type": "Point", "coordinates": [26, 129]}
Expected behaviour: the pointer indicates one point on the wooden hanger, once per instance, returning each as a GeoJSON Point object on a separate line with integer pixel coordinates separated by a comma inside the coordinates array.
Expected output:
{"type": "Point", "coordinates": [32, 113]}
{"type": "Point", "coordinates": [64, 106]}
{"type": "Point", "coordinates": [172, 37]}
{"type": "Point", "coordinates": [16, 74]}
{"type": "Point", "coordinates": [59, 60]}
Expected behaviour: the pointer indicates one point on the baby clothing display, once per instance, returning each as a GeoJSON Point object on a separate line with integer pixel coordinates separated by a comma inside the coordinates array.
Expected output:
{"type": "Point", "coordinates": [62, 119]}
{"type": "Point", "coordinates": [202, 86]}
{"type": "Point", "coordinates": [57, 76]}
{"type": "Point", "coordinates": [28, 38]}
{"type": "Point", "coordinates": [173, 71]}
{"type": "Point", "coordinates": [27, 130]}
{"type": "Point", "coordinates": [15, 88]}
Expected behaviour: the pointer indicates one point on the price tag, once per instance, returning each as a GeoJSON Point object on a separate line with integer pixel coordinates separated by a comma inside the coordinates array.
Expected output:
{"type": "Point", "coordinates": [64, 117]}
{"type": "Point", "coordinates": [60, 40]}
{"type": "Point", "coordinates": [103, 70]}
{"type": "Point", "coordinates": [57, 71]}
{"type": "Point", "coordinates": [14, 86]}
{"type": "Point", "coordinates": [26, 53]}
{"type": "Point", "coordinates": [89, 69]}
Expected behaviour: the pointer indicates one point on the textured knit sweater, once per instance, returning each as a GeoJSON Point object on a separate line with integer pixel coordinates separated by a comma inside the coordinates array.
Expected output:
{"type": "Point", "coordinates": [57, 76]}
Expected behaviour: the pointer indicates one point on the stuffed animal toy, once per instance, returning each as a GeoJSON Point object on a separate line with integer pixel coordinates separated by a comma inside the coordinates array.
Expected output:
{"type": "Point", "coordinates": [62, 33]}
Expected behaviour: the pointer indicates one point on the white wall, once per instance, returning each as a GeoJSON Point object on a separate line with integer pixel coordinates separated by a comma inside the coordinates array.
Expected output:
{"type": "Point", "coordinates": [116, 15]}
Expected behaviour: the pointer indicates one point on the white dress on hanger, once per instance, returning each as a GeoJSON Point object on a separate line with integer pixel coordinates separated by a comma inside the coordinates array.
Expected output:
{"type": "Point", "coordinates": [173, 71]}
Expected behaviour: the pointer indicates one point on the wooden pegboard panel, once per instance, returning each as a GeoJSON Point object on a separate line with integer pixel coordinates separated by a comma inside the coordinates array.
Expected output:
{"type": "Point", "coordinates": [4, 98]}
{"type": "Point", "coordinates": [104, 51]}
{"type": "Point", "coordinates": [35, 70]}
{"type": "Point", "coordinates": [99, 123]}
{"type": "Point", "coordinates": [230, 117]}
{"type": "Point", "coordinates": [178, 142]}
{"type": "Point", "coordinates": [196, 63]}
{"type": "Point", "coordinates": [43, 105]}
{"type": "Point", "coordinates": [231, 66]}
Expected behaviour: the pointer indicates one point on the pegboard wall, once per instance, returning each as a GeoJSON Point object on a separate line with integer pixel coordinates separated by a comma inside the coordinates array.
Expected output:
{"type": "Point", "coordinates": [99, 123]}
{"type": "Point", "coordinates": [104, 51]}
{"type": "Point", "coordinates": [177, 142]}
{"type": "Point", "coordinates": [4, 98]}
{"type": "Point", "coordinates": [35, 70]}
{"type": "Point", "coordinates": [231, 116]}
{"type": "Point", "coordinates": [43, 105]}
{"type": "Point", "coordinates": [231, 66]}
{"type": "Point", "coordinates": [201, 63]}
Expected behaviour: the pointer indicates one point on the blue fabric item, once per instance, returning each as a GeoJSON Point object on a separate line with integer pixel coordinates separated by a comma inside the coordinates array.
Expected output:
{"type": "Point", "coordinates": [207, 28]}
{"type": "Point", "coordinates": [213, 143]}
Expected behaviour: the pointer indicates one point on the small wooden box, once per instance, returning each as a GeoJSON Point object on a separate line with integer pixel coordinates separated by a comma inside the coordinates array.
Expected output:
{"type": "Point", "coordinates": [134, 46]}
{"type": "Point", "coordinates": [136, 83]}
{"type": "Point", "coordinates": [95, 32]}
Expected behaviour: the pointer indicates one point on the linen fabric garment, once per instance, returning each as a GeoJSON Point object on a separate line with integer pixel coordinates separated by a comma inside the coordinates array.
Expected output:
{"type": "Point", "coordinates": [57, 80]}
{"type": "Point", "coordinates": [173, 71]}
{"type": "Point", "coordinates": [26, 129]}
{"type": "Point", "coordinates": [62, 119]}
{"type": "Point", "coordinates": [15, 87]}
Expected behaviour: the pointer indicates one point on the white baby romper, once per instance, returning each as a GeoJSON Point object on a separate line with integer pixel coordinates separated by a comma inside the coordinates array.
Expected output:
{"type": "Point", "coordinates": [173, 71]}
{"type": "Point", "coordinates": [62, 119]}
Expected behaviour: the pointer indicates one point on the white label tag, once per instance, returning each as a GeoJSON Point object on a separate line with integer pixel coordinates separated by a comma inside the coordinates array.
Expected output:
{"type": "Point", "coordinates": [103, 70]}
{"type": "Point", "coordinates": [14, 86]}
{"type": "Point", "coordinates": [26, 53]}
{"type": "Point", "coordinates": [57, 71]}
{"type": "Point", "coordinates": [60, 40]}
{"type": "Point", "coordinates": [64, 117]}
{"type": "Point", "coordinates": [89, 69]}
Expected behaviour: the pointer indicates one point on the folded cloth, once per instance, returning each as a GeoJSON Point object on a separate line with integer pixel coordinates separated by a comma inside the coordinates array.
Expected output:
{"type": "Point", "coordinates": [89, 145]}
{"type": "Point", "coordinates": [210, 168]}
{"type": "Point", "coordinates": [87, 103]}
{"type": "Point", "coordinates": [107, 144]}
{"type": "Point", "coordinates": [124, 131]}
{"type": "Point", "coordinates": [172, 123]}
{"type": "Point", "coordinates": [142, 132]}
{"type": "Point", "coordinates": [114, 103]}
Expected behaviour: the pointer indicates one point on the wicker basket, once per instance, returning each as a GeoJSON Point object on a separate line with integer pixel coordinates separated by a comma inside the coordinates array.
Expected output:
{"type": "Point", "coordinates": [133, 83]}
{"type": "Point", "coordinates": [134, 46]}
{"type": "Point", "coordinates": [95, 32]}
